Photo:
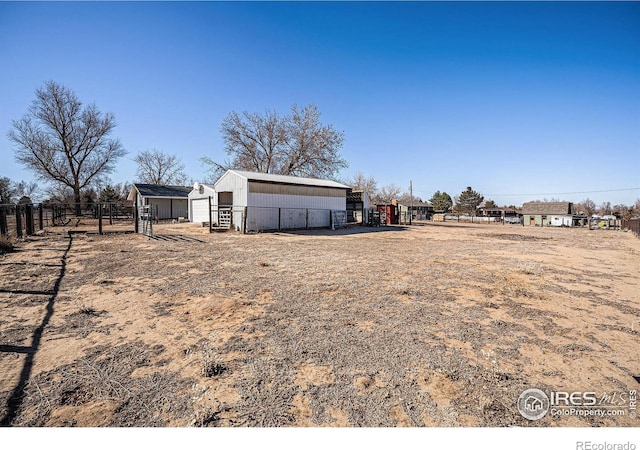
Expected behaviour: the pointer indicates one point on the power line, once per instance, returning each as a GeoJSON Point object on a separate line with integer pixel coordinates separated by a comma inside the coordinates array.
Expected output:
{"type": "Point", "coordinates": [556, 193]}
{"type": "Point", "coordinates": [570, 193]}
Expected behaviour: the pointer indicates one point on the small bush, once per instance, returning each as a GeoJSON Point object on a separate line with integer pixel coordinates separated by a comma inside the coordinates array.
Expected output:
{"type": "Point", "coordinates": [6, 246]}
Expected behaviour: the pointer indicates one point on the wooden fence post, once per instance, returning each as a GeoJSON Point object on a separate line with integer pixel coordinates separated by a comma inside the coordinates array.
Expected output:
{"type": "Point", "coordinates": [210, 217]}
{"type": "Point", "coordinates": [99, 218]}
{"type": "Point", "coordinates": [18, 221]}
{"type": "Point", "coordinates": [244, 220]}
{"type": "Point", "coordinates": [136, 218]}
{"type": "Point", "coordinates": [4, 231]}
{"type": "Point", "coordinates": [30, 225]}
{"type": "Point", "coordinates": [40, 217]}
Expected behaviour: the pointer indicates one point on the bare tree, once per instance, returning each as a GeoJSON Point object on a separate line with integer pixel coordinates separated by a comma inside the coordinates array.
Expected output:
{"type": "Point", "coordinates": [388, 193]}
{"type": "Point", "coordinates": [64, 143]}
{"type": "Point", "coordinates": [156, 167]}
{"type": "Point", "coordinates": [605, 209]}
{"type": "Point", "coordinates": [290, 145]}
{"type": "Point", "coordinates": [587, 206]}
{"type": "Point", "coordinates": [313, 148]}
{"type": "Point", "coordinates": [363, 183]}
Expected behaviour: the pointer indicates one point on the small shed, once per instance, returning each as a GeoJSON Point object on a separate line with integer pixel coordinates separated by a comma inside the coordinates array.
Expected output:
{"type": "Point", "coordinates": [199, 202]}
{"type": "Point", "coordinates": [252, 201]}
{"type": "Point", "coordinates": [357, 206]}
{"type": "Point", "coordinates": [167, 202]}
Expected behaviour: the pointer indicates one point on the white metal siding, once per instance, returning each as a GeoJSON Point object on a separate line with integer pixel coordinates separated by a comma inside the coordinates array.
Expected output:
{"type": "Point", "coordinates": [297, 201]}
{"type": "Point", "coordinates": [231, 182]}
{"type": "Point", "coordinates": [199, 210]}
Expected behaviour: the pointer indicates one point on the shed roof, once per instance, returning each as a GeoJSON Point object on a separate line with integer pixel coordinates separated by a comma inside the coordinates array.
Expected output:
{"type": "Point", "coordinates": [287, 179]}
{"type": "Point", "coordinates": [546, 208]}
{"type": "Point", "coordinates": [159, 191]}
{"type": "Point", "coordinates": [356, 196]}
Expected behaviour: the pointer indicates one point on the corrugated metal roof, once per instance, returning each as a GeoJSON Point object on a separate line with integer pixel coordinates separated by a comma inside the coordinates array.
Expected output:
{"type": "Point", "coordinates": [155, 190]}
{"type": "Point", "coordinates": [286, 179]}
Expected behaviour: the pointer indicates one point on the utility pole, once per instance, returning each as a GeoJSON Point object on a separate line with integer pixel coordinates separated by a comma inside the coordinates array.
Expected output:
{"type": "Point", "coordinates": [411, 194]}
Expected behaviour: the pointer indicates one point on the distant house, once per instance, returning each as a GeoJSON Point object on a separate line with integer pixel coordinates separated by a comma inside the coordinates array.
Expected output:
{"type": "Point", "coordinates": [357, 206]}
{"type": "Point", "coordinates": [421, 210]}
{"type": "Point", "coordinates": [498, 214]}
{"type": "Point", "coordinates": [167, 202]}
{"type": "Point", "coordinates": [551, 214]}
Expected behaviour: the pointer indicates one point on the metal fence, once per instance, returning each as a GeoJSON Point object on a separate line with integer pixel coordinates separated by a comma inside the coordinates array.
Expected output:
{"type": "Point", "coordinates": [258, 218]}
{"type": "Point", "coordinates": [632, 225]}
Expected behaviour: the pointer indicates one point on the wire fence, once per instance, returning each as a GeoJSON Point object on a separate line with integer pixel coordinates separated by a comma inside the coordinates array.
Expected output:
{"type": "Point", "coordinates": [632, 225]}
{"type": "Point", "coordinates": [250, 219]}
{"type": "Point", "coordinates": [21, 220]}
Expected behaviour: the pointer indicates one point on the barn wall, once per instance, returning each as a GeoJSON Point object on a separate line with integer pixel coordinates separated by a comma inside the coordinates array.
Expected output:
{"type": "Point", "coordinates": [169, 208]}
{"type": "Point", "coordinates": [231, 182]}
{"type": "Point", "coordinates": [256, 187]}
{"type": "Point", "coordinates": [298, 201]}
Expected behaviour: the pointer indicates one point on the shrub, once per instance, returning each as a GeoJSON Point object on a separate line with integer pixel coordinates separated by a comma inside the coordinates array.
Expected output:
{"type": "Point", "coordinates": [6, 246]}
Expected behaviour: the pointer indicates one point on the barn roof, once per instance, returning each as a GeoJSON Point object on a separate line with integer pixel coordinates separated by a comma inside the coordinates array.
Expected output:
{"type": "Point", "coordinates": [356, 196]}
{"type": "Point", "coordinates": [286, 179]}
{"type": "Point", "coordinates": [546, 208]}
{"type": "Point", "coordinates": [160, 191]}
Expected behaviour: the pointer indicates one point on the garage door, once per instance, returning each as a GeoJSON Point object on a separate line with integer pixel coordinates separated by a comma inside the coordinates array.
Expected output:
{"type": "Point", "coordinates": [200, 210]}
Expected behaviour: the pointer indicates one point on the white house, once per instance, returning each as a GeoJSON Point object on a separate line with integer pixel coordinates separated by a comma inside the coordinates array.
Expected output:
{"type": "Point", "coordinates": [250, 201]}
{"type": "Point", "coordinates": [167, 202]}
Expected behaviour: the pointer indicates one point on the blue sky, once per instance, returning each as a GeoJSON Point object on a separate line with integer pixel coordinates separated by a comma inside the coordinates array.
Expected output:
{"type": "Point", "coordinates": [518, 100]}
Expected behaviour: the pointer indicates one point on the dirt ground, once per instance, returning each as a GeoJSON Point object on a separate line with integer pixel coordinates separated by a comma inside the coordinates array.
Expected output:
{"type": "Point", "coordinates": [434, 325]}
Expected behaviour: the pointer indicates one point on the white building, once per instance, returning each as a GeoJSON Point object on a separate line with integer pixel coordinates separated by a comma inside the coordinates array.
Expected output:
{"type": "Point", "coordinates": [167, 202]}
{"type": "Point", "coordinates": [199, 202]}
{"type": "Point", "coordinates": [249, 201]}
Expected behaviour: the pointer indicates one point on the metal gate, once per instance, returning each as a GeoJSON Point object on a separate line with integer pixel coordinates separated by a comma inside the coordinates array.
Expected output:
{"type": "Point", "coordinates": [145, 220]}
{"type": "Point", "coordinates": [224, 218]}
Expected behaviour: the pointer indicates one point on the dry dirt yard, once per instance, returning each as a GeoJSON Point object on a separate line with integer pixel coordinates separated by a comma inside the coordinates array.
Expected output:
{"type": "Point", "coordinates": [436, 325]}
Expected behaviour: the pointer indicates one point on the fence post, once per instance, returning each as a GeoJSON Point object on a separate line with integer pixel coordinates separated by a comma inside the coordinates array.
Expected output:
{"type": "Point", "coordinates": [210, 216]}
{"type": "Point", "coordinates": [244, 220]}
{"type": "Point", "coordinates": [28, 215]}
{"type": "Point", "coordinates": [306, 220]}
{"type": "Point", "coordinates": [110, 213]}
{"type": "Point", "coordinates": [18, 221]}
{"type": "Point", "coordinates": [3, 221]}
{"type": "Point", "coordinates": [99, 218]}
{"type": "Point", "coordinates": [279, 218]}
{"type": "Point", "coordinates": [40, 217]}
{"type": "Point", "coordinates": [136, 218]}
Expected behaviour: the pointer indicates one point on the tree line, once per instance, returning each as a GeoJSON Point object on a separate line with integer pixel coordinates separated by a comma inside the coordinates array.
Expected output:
{"type": "Point", "coordinates": [69, 146]}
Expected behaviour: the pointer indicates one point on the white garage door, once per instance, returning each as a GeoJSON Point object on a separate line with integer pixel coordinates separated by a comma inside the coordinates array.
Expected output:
{"type": "Point", "coordinates": [200, 210]}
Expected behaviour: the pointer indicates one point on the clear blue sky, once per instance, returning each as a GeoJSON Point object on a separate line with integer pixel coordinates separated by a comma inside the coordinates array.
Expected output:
{"type": "Point", "coordinates": [509, 98]}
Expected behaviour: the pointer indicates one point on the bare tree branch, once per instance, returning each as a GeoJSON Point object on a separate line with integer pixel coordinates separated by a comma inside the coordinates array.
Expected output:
{"type": "Point", "coordinates": [156, 167]}
{"type": "Point", "coordinates": [62, 142]}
